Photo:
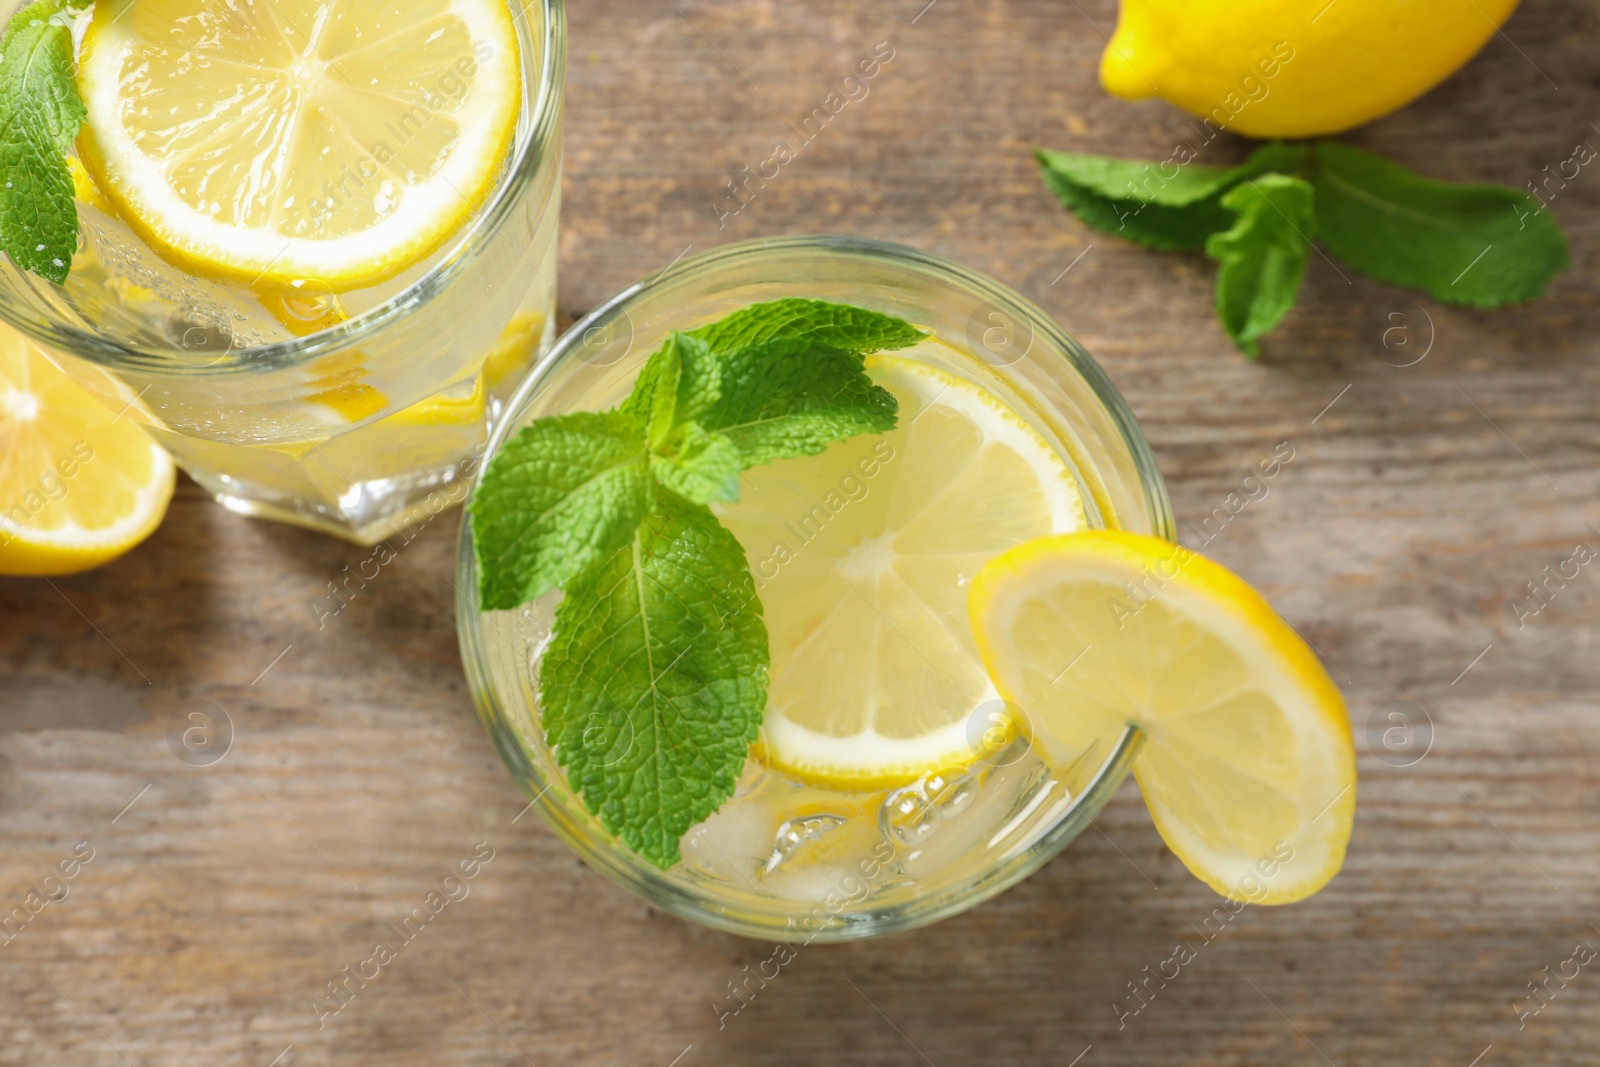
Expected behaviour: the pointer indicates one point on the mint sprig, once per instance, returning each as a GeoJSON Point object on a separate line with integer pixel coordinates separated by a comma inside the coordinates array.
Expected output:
{"type": "Point", "coordinates": [655, 678]}
{"type": "Point", "coordinates": [1262, 255]}
{"type": "Point", "coordinates": [1474, 245]}
{"type": "Point", "coordinates": [1174, 209]}
{"type": "Point", "coordinates": [40, 114]}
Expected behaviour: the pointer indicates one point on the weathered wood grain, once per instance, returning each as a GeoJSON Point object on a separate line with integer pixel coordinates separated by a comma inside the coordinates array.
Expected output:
{"type": "Point", "coordinates": [1416, 507]}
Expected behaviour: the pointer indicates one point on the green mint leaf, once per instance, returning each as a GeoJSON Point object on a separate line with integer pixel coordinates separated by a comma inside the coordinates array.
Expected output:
{"type": "Point", "coordinates": [786, 378]}
{"type": "Point", "coordinates": [1170, 206]}
{"type": "Point", "coordinates": [704, 467]}
{"type": "Point", "coordinates": [1263, 255]}
{"type": "Point", "coordinates": [563, 494]}
{"type": "Point", "coordinates": [654, 682]}
{"type": "Point", "coordinates": [668, 376]}
{"type": "Point", "coordinates": [40, 114]}
{"type": "Point", "coordinates": [695, 374]}
{"type": "Point", "coordinates": [791, 397]}
{"type": "Point", "coordinates": [839, 326]}
{"type": "Point", "coordinates": [1478, 245]}
{"type": "Point", "coordinates": [1147, 182]}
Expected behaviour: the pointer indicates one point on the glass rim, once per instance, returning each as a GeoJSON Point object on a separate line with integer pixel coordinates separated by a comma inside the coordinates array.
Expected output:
{"type": "Point", "coordinates": [520, 172]}
{"type": "Point", "coordinates": [730, 256]}
{"type": "Point", "coordinates": [635, 874]}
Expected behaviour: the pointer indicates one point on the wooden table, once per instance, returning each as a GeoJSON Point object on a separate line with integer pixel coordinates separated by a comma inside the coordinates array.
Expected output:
{"type": "Point", "coordinates": [220, 899]}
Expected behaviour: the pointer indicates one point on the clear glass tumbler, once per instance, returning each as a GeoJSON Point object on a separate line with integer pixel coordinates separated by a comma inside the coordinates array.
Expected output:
{"type": "Point", "coordinates": [892, 858]}
{"type": "Point", "coordinates": [279, 409]}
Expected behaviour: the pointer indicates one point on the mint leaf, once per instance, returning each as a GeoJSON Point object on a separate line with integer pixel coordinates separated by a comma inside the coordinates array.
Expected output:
{"type": "Point", "coordinates": [654, 682]}
{"type": "Point", "coordinates": [693, 376]}
{"type": "Point", "coordinates": [1142, 181]}
{"type": "Point", "coordinates": [1478, 245]}
{"type": "Point", "coordinates": [787, 379]}
{"type": "Point", "coordinates": [564, 493]}
{"type": "Point", "coordinates": [704, 467]}
{"type": "Point", "coordinates": [789, 397]}
{"type": "Point", "coordinates": [1263, 255]}
{"type": "Point", "coordinates": [685, 379]}
{"type": "Point", "coordinates": [668, 376]}
{"type": "Point", "coordinates": [40, 114]}
{"type": "Point", "coordinates": [839, 326]}
{"type": "Point", "coordinates": [1135, 200]}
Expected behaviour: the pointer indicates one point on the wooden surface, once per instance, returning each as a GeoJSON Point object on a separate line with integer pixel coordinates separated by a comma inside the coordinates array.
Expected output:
{"type": "Point", "coordinates": [1417, 505]}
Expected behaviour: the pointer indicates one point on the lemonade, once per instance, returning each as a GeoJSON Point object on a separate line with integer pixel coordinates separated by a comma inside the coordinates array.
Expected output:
{"type": "Point", "coordinates": [316, 241]}
{"type": "Point", "coordinates": [816, 588]}
{"type": "Point", "coordinates": [889, 784]}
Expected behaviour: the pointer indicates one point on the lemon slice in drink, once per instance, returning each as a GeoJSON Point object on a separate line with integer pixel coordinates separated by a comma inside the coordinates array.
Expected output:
{"type": "Point", "coordinates": [862, 557]}
{"type": "Point", "coordinates": [321, 144]}
{"type": "Point", "coordinates": [79, 486]}
{"type": "Point", "coordinates": [1248, 765]}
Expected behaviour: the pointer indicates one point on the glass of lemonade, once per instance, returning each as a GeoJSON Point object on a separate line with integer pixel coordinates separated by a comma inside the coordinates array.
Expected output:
{"type": "Point", "coordinates": [317, 241]}
{"type": "Point", "coordinates": [890, 786]}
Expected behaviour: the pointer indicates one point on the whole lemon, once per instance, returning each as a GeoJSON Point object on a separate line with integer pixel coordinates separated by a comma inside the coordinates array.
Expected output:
{"type": "Point", "coordinates": [1293, 68]}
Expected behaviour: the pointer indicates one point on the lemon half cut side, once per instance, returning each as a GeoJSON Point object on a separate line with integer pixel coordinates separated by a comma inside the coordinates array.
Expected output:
{"type": "Point", "coordinates": [79, 483]}
{"type": "Point", "coordinates": [313, 145]}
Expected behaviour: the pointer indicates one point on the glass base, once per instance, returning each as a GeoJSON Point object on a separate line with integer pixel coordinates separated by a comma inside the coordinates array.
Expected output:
{"type": "Point", "coordinates": [370, 512]}
{"type": "Point", "coordinates": [368, 481]}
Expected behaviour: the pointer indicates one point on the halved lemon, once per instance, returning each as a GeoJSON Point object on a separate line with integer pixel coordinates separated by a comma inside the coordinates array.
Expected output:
{"type": "Point", "coordinates": [1248, 765]}
{"type": "Point", "coordinates": [318, 145]}
{"type": "Point", "coordinates": [79, 484]}
{"type": "Point", "coordinates": [862, 557]}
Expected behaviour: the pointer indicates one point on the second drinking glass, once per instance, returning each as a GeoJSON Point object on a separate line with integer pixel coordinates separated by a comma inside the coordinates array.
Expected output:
{"type": "Point", "coordinates": [321, 333]}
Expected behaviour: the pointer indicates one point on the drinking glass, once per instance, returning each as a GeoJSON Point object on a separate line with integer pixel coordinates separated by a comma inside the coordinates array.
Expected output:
{"type": "Point", "coordinates": [897, 858]}
{"type": "Point", "coordinates": [357, 429]}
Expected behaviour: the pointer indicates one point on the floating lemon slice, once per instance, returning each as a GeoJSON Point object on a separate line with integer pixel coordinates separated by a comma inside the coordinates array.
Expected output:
{"type": "Point", "coordinates": [1248, 765]}
{"type": "Point", "coordinates": [325, 145]}
{"type": "Point", "coordinates": [79, 486]}
{"type": "Point", "coordinates": [862, 557]}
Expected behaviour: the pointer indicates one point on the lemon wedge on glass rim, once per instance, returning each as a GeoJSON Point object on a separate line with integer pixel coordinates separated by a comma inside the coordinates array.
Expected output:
{"type": "Point", "coordinates": [306, 144]}
{"type": "Point", "coordinates": [79, 483]}
{"type": "Point", "coordinates": [1247, 764]}
{"type": "Point", "coordinates": [862, 556]}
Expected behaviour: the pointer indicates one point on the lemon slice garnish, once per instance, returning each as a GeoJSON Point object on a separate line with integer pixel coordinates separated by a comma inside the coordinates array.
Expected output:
{"type": "Point", "coordinates": [1248, 765]}
{"type": "Point", "coordinates": [862, 557]}
{"type": "Point", "coordinates": [322, 144]}
{"type": "Point", "coordinates": [79, 485]}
